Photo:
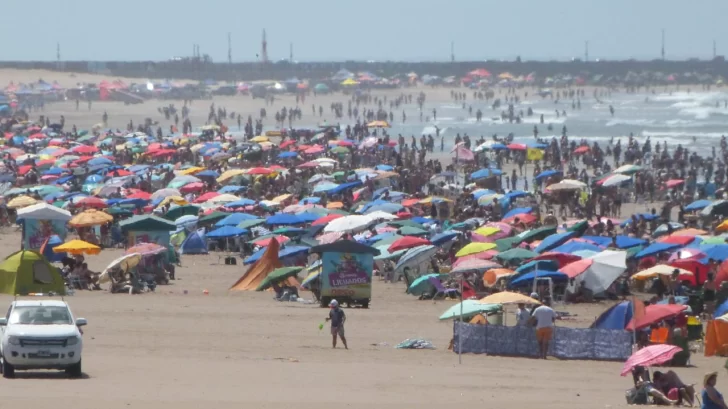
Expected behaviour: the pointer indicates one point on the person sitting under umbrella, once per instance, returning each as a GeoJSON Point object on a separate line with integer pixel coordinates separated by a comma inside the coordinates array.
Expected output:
{"type": "Point", "coordinates": [643, 389]}
{"type": "Point", "coordinates": [671, 385]}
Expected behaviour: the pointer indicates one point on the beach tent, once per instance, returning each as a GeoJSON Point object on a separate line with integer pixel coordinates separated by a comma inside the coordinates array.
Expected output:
{"type": "Point", "coordinates": [255, 275]}
{"type": "Point", "coordinates": [615, 317]}
{"type": "Point", "coordinates": [195, 243]}
{"type": "Point", "coordinates": [25, 272]}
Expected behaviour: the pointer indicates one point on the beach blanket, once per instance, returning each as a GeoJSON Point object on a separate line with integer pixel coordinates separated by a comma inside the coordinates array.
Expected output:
{"type": "Point", "coordinates": [415, 343]}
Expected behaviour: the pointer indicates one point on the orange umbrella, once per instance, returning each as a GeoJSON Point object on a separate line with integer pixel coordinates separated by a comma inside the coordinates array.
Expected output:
{"type": "Point", "coordinates": [491, 276]}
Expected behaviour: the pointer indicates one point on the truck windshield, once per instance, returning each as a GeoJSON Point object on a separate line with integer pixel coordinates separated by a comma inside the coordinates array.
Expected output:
{"type": "Point", "coordinates": [40, 315]}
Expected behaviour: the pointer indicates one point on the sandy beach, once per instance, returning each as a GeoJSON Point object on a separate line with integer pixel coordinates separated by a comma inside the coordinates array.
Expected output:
{"type": "Point", "coordinates": [169, 349]}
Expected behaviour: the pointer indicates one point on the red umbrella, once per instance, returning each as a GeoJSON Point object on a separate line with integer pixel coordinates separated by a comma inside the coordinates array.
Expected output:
{"type": "Point", "coordinates": [517, 147]}
{"type": "Point", "coordinates": [259, 171]}
{"type": "Point", "coordinates": [483, 255]}
{"type": "Point", "coordinates": [92, 201]}
{"type": "Point", "coordinates": [673, 183]}
{"type": "Point", "coordinates": [577, 267]}
{"type": "Point", "coordinates": [326, 219]}
{"type": "Point", "coordinates": [38, 136]}
{"type": "Point", "coordinates": [314, 150]}
{"type": "Point", "coordinates": [192, 187]}
{"type": "Point", "coordinates": [654, 314]}
{"type": "Point", "coordinates": [140, 194]}
{"type": "Point", "coordinates": [407, 242]}
{"type": "Point", "coordinates": [680, 240]}
{"type": "Point", "coordinates": [119, 173]}
{"type": "Point", "coordinates": [308, 165]}
{"type": "Point", "coordinates": [146, 249]}
{"type": "Point", "coordinates": [581, 150]}
{"type": "Point", "coordinates": [650, 356]}
{"type": "Point", "coordinates": [163, 152]}
{"type": "Point", "coordinates": [266, 242]}
{"type": "Point", "coordinates": [404, 215]}
{"type": "Point", "coordinates": [85, 149]}
{"type": "Point", "coordinates": [22, 170]}
{"type": "Point", "coordinates": [527, 218]}
{"type": "Point", "coordinates": [287, 143]}
{"type": "Point", "coordinates": [207, 196]}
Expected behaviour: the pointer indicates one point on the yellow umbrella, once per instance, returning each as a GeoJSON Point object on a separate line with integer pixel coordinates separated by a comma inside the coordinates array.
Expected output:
{"type": "Point", "coordinates": [378, 124]}
{"type": "Point", "coordinates": [474, 248]}
{"type": "Point", "coordinates": [229, 174]}
{"type": "Point", "coordinates": [178, 200]}
{"type": "Point", "coordinates": [259, 138]}
{"type": "Point", "coordinates": [124, 263]}
{"type": "Point", "coordinates": [349, 81]}
{"type": "Point", "coordinates": [281, 198]}
{"type": "Point", "coordinates": [77, 247]}
{"type": "Point", "coordinates": [335, 205]}
{"type": "Point", "coordinates": [192, 170]}
{"type": "Point", "coordinates": [723, 226]}
{"type": "Point", "coordinates": [507, 297]}
{"type": "Point", "coordinates": [21, 201]}
{"type": "Point", "coordinates": [90, 217]}
{"type": "Point", "coordinates": [385, 175]}
{"type": "Point", "coordinates": [487, 231]}
{"type": "Point", "coordinates": [506, 76]}
{"type": "Point", "coordinates": [429, 199]}
{"type": "Point", "coordinates": [197, 147]}
{"type": "Point", "coordinates": [660, 269]}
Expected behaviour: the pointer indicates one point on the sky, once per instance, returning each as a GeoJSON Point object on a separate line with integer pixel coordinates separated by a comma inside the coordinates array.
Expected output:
{"type": "Point", "coordinates": [381, 30]}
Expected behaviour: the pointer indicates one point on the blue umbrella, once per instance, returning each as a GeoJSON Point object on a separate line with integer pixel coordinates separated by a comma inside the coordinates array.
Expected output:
{"type": "Point", "coordinates": [54, 171]}
{"type": "Point", "coordinates": [137, 168]}
{"type": "Point", "coordinates": [574, 246]}
{"type": "Point", "coordinates": [240, 203]}
{"type": "Point", "coordinates": [663, 228]}
{"type": "Point", "coordinates": [324, 187]}
{"type": "Point", "coordinates": [515, 194]}
{"type": "Point", "coordinates": [371, 204]}
{"type": "Point", "coordinates": [517, 211]}
{"type": "Point", "coordinates": [545, 265]}
{"type": "Point", "coordinates": [529, 277]}
{"type": "Point", "coordinates": [308, 217]}
{"type": "Point", "coordinates": [284, 155]}
{"type": "Point", "coordinates": [284, 252]}
{"type": "Point", "coordinates": [444, 237]}
{"type": "Point", "coordinates": [485, 192]}
{"type": "Point", "coordinates": [343, 187]}
{"type": "Point", "coordinates": [554, 240]}
{"type": "Point", "coordinates": [385, 207]}
{"type": "Point", "coordinates": [655, 248]}
{"type": "Point", "coordinates": [234, 219]}
{"type": "Point", "coordinates": [698, 205]}
{"type": "Point", "coordinates": [485, 173]}
{"type": "Point", "coordinates": [381, 236]}
{"type": "Point", "coordinates": [231, 189]}
{"type": "Point", "coordinates": [227, 231]}
{"type": "Point", "coordinates": [94, 179]}
{"type": "Point", "coordinates": [284, 219]}
{"type": "Point", "coordinates": [100, 161]}
{"type": "Point", "coordinates": [623, 242]}
{"type": "Point", "coordinates": [646, 216]}
{"type": "Point", "coordinates": [310, 200]}
{"type": "Point", "coordinates": [547, 173]}
{"type": "Point", "coordinates": [416, 256]}
{"type": "Point", "coordinates": [208, 174]}
{"type": "Point", "coordinates": [384, 168]}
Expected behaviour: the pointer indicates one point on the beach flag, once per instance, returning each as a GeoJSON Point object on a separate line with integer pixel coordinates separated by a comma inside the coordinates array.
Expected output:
{"type": "Point", "coordinates": [534, 154]}
{"type": "Point", "coordinates": [638, 308]}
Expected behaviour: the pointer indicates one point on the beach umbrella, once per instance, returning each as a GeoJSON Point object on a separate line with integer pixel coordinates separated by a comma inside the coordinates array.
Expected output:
{"type": "Point", "coordinates": [515, 255]}
{"type": "Point", "coordinates": [90, 217]}
{"type": "Point", "coordinates": [247, 224]}
{"type": "Point", "coordinates": [656, 248]}
{"type": "Point", "coordinates": [408, 242]}
{"type": "Point", "coordinates": [469, 308]}
{"type": "Point", "coordinates": [380, 215]}
{"type": "Point", "coordinates": [491, 277]}
{"type": "Point", "coordinates": [508, 297]}
{"type": "Point", "coordinates": [474, 248]}
{"type": "Point", "coordinates": [412, 231]}
{"type": "Point", "coordinates": [229, 174]}
{"type": "Point", "coordinates": [444, 237]}
{"type": "Point", "coordinates": [146, 249]}
{"type": "Point", "coordinates": [614, 180]}
{"type": "Point", "coordinates": [485, 173]}
{"type": "Point", "coordinates": [650, 356]}
{"type": "Point", "coordinates": [125, 263]}
{"type": "Point", "coordinates": [284, 219]}
{"type": "Point", "coordinates": [661, 270]}
{"type": "Point", "coordinates": [163, 193]}
{"type": "Point", "coordinates": [698, 205]}
{"type": "Point", "coordinates": [77, 247]}
{"type": "Point", "coordinates": [326, 219]}
{"type": "Point", "coordinates": [422, 284]}
{"type": "Point", "coordinates": [324, 187]}
{"type": "Point", "coordinates": [351, 223]}
{"type": "Point", "coordinates": [663, 228]}
{"type": "Point", "coordinates": [547, 173]}
{"type": "Point", "coordinates": [278, 275]}
{"type": "Point", "coordinates": [222, 199]}
{"type": "Point", "coordinates": [234, 219]}
{"type": "Point", "coordinates": [553, 241]}
{"type": "Point", "coordinates": [565, 185]}
{"type": "Point", "coordinates": [226, 231]}
{"type": "Point", "coordinates": [91, 201]}
{"type": "Point", "coordinates": [655, 313]}
{"type": "Point", "coordinates": [415, 256]}
{"type": "Point", "coordinates": [628, 169]}
{"type": "Point", "coordinates": [20, 202]}
{"type": "Point", "coordinates": [473, 264]}
{"type": "Point", "coordinates": [598, 272]}
{"type": "Point", "coordinates": [385, 208]}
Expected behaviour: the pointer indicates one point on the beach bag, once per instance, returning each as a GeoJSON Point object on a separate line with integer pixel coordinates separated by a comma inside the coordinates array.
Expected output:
{"type": "Point", "coordinates": [636, 396]}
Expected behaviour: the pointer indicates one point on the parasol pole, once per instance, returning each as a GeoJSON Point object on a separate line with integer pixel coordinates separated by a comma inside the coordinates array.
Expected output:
{"type": "Point", "coordinates": [460, 335]}
{"type": "Point", "coordinates": [634, 330]}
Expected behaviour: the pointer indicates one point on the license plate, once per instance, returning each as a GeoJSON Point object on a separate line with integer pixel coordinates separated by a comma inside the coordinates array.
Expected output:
{"type": "Point", "coordinates": [43, 354]}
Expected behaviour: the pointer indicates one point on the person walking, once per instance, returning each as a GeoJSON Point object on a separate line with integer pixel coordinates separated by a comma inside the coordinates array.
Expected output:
{"type": "Point", "coordinates": [544, 317]}
{"type": "Point", "coordinates": [337, 318]}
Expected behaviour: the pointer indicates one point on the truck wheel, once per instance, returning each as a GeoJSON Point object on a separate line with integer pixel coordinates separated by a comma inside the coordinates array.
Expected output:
{"type": "Point", "coordinates": [8, 370]}
{"type": "Point", "coordinates": [74, 371]}
{"type": "Point", "coordinates": [365, 304]}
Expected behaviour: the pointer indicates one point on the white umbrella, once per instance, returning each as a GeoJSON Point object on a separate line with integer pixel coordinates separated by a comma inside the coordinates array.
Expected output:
{"type": "Point", "coordinates": [125, 263]}
{"type": "Point", "coordinates": [162, 193]}
{"type": "Point", "coordinates": [44, 211]}
{"type": "Point", "coordinates": [606, 267]}
{"type": "Point", "coordinates": [380, 215]}
{"type": "Point", "coordinates": [351, 223]}
{"type": "Point", "coordinates": [224, 198]}
{"type": "Point", "coordinates": [567, 184]}
{"type": "Point", "coordinates": [325, 160]}
{"type": "Point", "coordinates": [615, 180]}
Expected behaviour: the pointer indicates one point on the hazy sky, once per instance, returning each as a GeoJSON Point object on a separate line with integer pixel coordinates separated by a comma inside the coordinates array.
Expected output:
{"type": "Point", "coordinates": [362, 30]}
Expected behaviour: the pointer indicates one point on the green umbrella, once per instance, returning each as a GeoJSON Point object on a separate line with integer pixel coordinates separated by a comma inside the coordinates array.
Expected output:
{"type": "Point", "coordinates": [59, 203]}
{"type": "Point", "coordinates": [412, 231]}
{"type": "Point", "coordinates": [336, 211]}
{"type": "Point", "coordinates": [85, 138]}
{"type": "Point", "coordinates": [246, 224]}
{"type": "Point", "coordinates": [712, 240]}
{"type": "Point", "coordinates": [387, 240]}
{"type": "Point", "coordinates": [340, 149]}
{"type": "Point", "coordinates": [214, 217]}
{"type": "Point", "coordinates": [179, 211]}
{"type": "Point", "coordinates": [117, 210]}
{"type": "Point", "coordinates": [469, 309]}
{"type": "Point", "coordinates": [322, 211]}
{"type": "Point", "coordinates": [278, 275]}
{"type": "Point", "coordinates": [508, 243]}
{"type": "Point", "coordinates": [405, 223]}
{"type": "Point", "coordinates": [579, 227]}
{"type": "Point", "coordinates": [266, 236]}
{"type": "Point", "coordinates": [422, 284]}
{"type": "Point", "coordinates": [632, 251]}
{"type": "Point", "coordinates": [516, 256]}
{"type": "Point", "coordinates": [289, 231]}
{"type": "Point", "coordinates": [538, 234]}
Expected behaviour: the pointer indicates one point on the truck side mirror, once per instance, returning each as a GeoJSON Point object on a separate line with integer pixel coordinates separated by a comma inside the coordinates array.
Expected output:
{"type": "Point", "coordinates": [3, 322]}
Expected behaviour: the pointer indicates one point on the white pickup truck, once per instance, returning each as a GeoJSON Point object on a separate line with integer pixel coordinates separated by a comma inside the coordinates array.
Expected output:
{"type": "Point", "coordinates": [40, 334]}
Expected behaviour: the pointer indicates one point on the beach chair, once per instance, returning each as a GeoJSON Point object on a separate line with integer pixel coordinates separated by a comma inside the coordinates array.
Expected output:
{"type": "Point", "coordinates": [659, 335]}
{"type": "Point", "coordinates": [442, 292]}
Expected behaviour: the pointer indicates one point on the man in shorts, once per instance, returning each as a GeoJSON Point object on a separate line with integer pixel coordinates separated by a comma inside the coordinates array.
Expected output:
{"type": "Point", "coordinates": [544, 317]}
{"type": "Point", "coordinates": [337, 318]}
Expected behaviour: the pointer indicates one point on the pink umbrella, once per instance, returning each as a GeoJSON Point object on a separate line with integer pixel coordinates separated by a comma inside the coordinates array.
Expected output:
{"type": "Point", "coordinates": [473, 264]}
{"type": "Point", "coordinates": [483, 255]}
{"type": "Point", "coordinates": [649, 356]}
{"type": "Point", "coordinates": [686, 254]}
{"type": "Point", "coordinates": [673, 183]}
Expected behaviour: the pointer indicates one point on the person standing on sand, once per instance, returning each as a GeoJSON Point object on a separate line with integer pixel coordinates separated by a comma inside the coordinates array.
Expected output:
{"type": "Point", "coordinates": [337, 318]}
{"type": "Point", "coordinates": [544, 317]}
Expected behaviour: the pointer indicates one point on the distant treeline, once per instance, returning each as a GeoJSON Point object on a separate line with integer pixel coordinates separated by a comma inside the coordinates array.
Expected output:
{"type": "Point", "coordinates": [191, 69]}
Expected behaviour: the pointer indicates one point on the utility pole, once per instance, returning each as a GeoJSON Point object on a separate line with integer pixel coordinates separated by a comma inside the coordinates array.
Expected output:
{"type": "Point", "coordinates": [586, 51]}
{"type": "Point", "coordinates": [715, 53]}
{"type": "Point", "coordinates": [663, 44]}
{"type": "Point", "coordinates": [230, 50]}
{"type": "Point", "coordinates": [452, 51]}
{"type": "Point", "coordinates": [58, 55]}
{"type": "Point", "coordinates": [264, 49]}
{"type": "Point", "coordinates": [290, 52]}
